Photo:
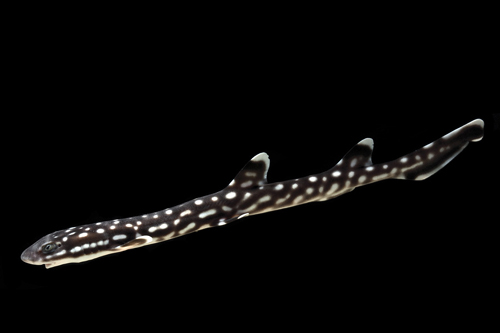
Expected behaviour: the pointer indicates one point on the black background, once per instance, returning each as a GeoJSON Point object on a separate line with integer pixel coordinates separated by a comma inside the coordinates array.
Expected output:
{"type": "Point", "coordinates": [130, 118]}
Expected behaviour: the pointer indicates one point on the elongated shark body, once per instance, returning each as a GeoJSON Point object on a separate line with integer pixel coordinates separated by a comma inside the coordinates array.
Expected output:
{"type": "Point", "coordinates": [247, 194]}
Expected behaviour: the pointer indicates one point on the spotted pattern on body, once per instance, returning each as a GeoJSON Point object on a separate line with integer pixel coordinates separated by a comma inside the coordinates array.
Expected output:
{"type": "Point", "coordinates": [247, 194]}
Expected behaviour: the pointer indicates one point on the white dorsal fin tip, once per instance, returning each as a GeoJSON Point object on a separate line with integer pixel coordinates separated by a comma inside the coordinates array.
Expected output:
{"type": "Point", "coordinates": [366, 142]}
{"type": "Point", "coordinates": [261, 157]}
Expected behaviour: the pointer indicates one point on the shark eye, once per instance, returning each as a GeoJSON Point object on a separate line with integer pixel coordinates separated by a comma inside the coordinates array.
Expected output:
{"type": "Point", "coordinates": [49, 247]}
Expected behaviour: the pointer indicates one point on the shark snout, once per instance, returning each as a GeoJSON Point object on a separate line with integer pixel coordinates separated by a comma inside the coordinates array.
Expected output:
{"type": "Point", "coordinates": [28, 257]}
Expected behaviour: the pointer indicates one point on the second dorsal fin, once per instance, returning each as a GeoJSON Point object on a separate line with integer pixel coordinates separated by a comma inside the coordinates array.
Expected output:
{"type": "Point", "coordinates": [254, 173]}
{"type": "Point", "coordinates": [359, 156]}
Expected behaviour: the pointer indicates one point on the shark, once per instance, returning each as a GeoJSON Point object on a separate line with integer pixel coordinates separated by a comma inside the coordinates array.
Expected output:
{"type": "Point", "coordinates": [248, 194]}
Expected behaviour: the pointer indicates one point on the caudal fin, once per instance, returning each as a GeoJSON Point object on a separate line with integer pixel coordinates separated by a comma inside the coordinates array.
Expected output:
{"type": "Point", "coordinates": [431, 158]}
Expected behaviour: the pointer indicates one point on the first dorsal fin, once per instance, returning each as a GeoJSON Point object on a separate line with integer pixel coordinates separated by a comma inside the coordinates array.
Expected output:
{"type": "Point", "coordinates": [359, 156]}
{"type": "Point", "coordinates": [254, 173]}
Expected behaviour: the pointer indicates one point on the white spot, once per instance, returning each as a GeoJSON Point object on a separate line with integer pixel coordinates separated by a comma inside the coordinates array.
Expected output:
{"type": "Point", "coordinates": [100, 231]}
{"type": "Point", "coordinates": [324, 179]}
{"type": "Point", "coordinates": [404, 159]}
{"type": "Point", "coordinates": [298, 199]}
{"type": "Point", "coordinates": [250, 174]}
{"type": "Point", "coordinates": [221, 223]}
{"type": "Point", "coordinates": [83, 234]}
{"type": "Point", "coordinates": [60, 253]}
{"type": "Point", "coordinates": [418, 158]}
{"type": "Point", "coordinates": [412, 167]}
{"type": "Point", "coordinates": [385, 166]}
{"type": "Point", "coordinates": [65, 239]}
{"type": "Point", "coordinates": [278, 187]}
{"type": "Point", "coordinates": [362, 179]}
{"type": "Point", "coordinates": [101, 243]}
{"type": "Point", "coordinates": [231, 183]}
{"type": "Point", "coordinates": [246, 184]}
{"type": "Point", "coordinates": [76, 249]}
{"type": "Point", "coordinates": [214, 199]}
{"type": "Point", "coordinates": [309, 190]}
{"type": "Point", "coordinates": [168, 212]}
{"type": "Point", "coordinates": [265, 198]}
{"type": "Point", "coordinates": [336, 173]}
{"type": "Point", "coordinates": [370, 168]}
{"type": "Point", "coordinates": [98, 223]}
{"type": "Point", "coordinates": [72, 233]}
{"type": "Point", "coordinates": [163, 226]}
{"type": "Point", "coordinates": [252, 207]}
{"type": "Point", "coordinates": [144, 216]}
{"type": "Point", "coordinates": [116, 222]}
{"type": "Point", "coordinates": [280, 200]}
{"type": "Point", "coordinates": [353, 162]}
{"type": "Point", "coordinates": [294, 186]}
{"type": "Point", "coordinates": [207, 213]}
{"type": "Point", "coordinates": [247, 195]}
{"type": "Point", "coordinates": [87, 229]}
{"type": "Point", "coordinates": [155, 216]}
{"type": "Point", "coordinates": [85, 246]}
{"type": "Point", "coordinates": [198, 202]}
{"type": "Point", "coordinates": [92, 245]}
{"type": "Point", "coordinates": [332, 189]}
{"type": "Point", "coordinates": [204, 227]}
{"type": "Point", "coordinates": [106, 242]}
{"type": "Point", "coordinates": [226, 208]}
{"type": "Point", "coordinates": [231, 195]}
{"type": "Point", "coordinates": [313, 179]}
{"type": "Point", "coordinates": [112, 227]}
{"type": "Point", "coordinates": [139, 222]}
{"type": "Point", "coordinates": [152, 229]}
{"type": "Point", "coordinates": [430, 156]}
{"type": "Point", "coordinates": [186, 229]}
{"type": "Point", "coordinates": [429, 145]}
{"type": "Point", "coordinates": [351, 174]}
{"type": "Point", "coordinates": [321, 189]}
{"type": "Point", "coordinates": [116, 237]}
{"type": "Point", "coordinates": [176, 222]}
{"type": "Point", "coordinates": [128, 225]}
{"type": "Point", "coordinates": [186, 212]}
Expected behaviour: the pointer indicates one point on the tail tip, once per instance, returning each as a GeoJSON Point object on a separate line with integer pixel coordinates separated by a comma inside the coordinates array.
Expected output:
{"type": "Point", "coordinates": [479, 123]}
